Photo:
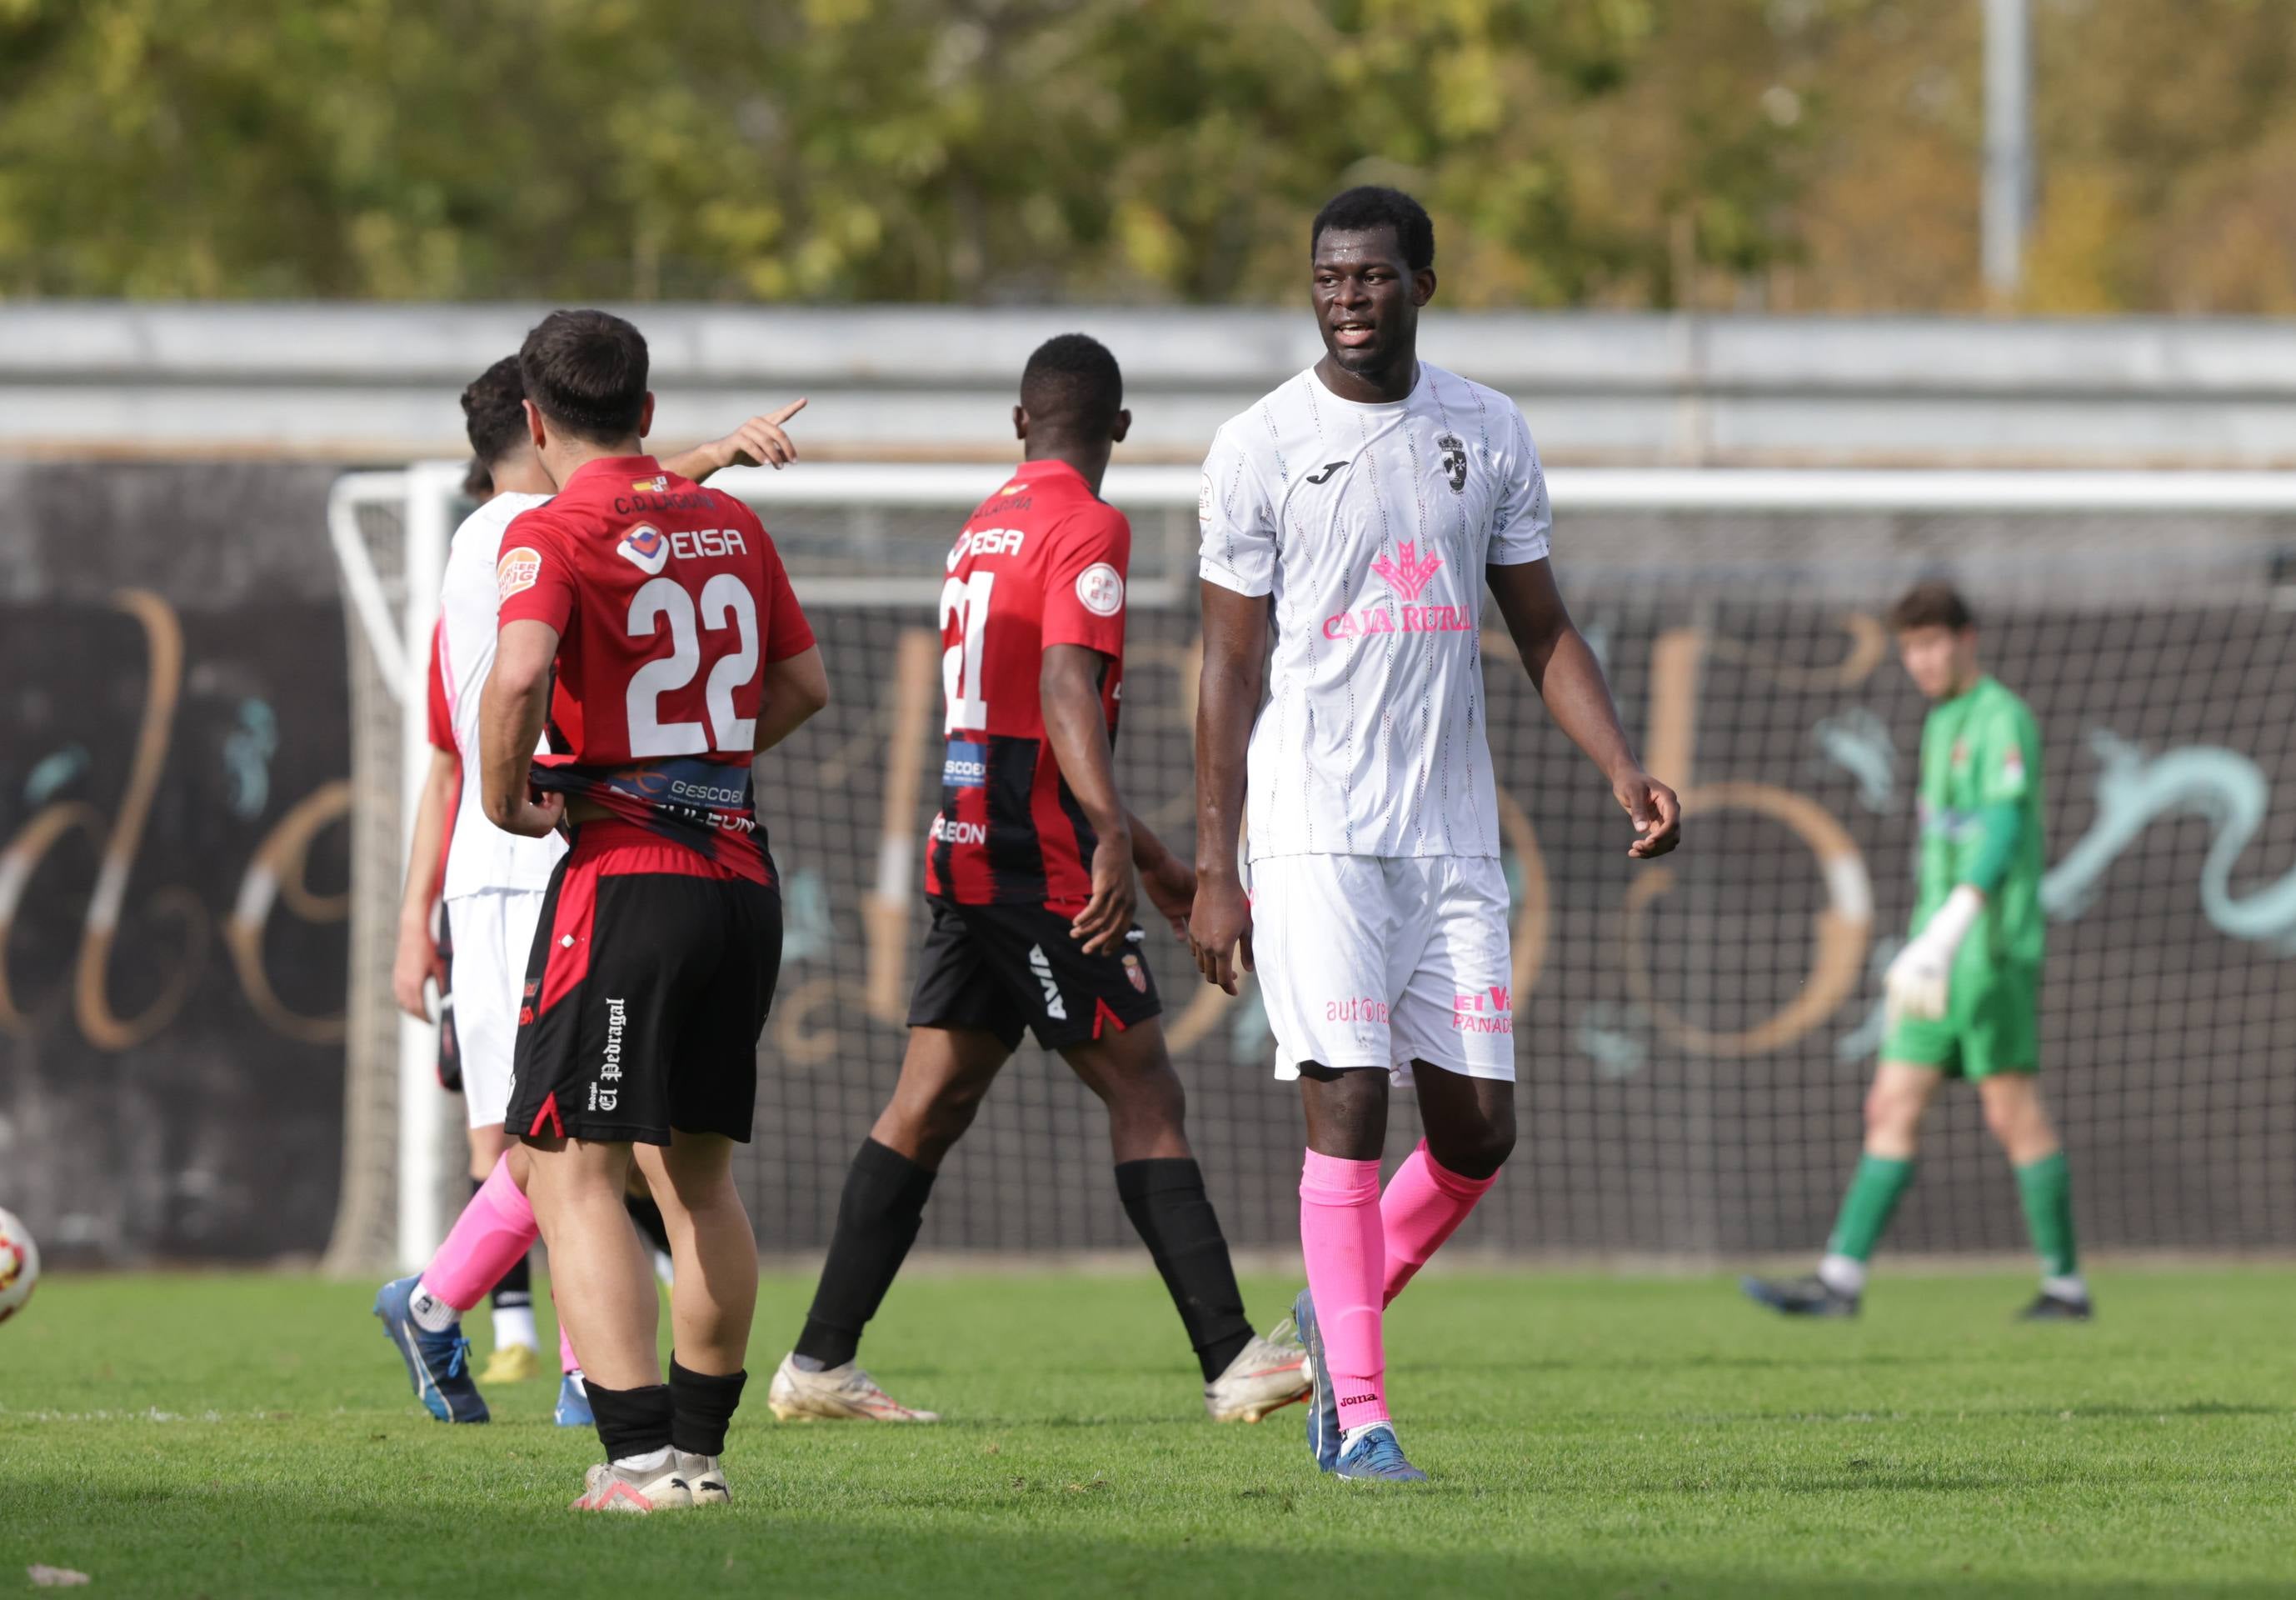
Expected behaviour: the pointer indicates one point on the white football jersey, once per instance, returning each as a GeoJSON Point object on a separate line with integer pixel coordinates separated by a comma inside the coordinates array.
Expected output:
{"type": "Point", "coordinates": [481, 856]}
{"type": "Point", "coordinates": [1371, 527]}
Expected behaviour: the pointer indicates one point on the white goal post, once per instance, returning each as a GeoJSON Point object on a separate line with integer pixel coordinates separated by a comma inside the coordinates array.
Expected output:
{"type": "Point", "coordinates": [389, 532]}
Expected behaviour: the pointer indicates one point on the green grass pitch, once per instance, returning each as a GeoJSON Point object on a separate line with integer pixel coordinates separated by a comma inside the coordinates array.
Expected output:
{"type": "Point", "coordinates": [251, 1435]}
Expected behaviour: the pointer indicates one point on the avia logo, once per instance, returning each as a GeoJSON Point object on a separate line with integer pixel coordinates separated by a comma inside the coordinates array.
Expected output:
{"type": "Point", "coordinates": [1324, 476]}
{"type": "Point", "coordinates": [645, 548]}
{"type": "Point", "coordinates": [1054, 1006]}
{"type": "Point", "coordinates": [1413, 574]}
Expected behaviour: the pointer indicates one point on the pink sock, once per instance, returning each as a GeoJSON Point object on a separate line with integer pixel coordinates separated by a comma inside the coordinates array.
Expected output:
{"type": "Point", "coordinates": [566, 1361]}
{"type": "Point", "coordinates": [494, 1232]}
{"type": "Point", "coordinates": [1424, 1203]}
{"type": "Point", "coordinates": [1340, 1235]}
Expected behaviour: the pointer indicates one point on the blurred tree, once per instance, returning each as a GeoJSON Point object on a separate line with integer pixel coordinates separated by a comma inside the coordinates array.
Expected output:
{"type": "Point", "coordinates": [1795, 154]}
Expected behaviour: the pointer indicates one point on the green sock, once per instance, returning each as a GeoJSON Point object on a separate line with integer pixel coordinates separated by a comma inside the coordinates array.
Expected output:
{"type": "Point", "coordinates": [2046, 1188]}
{"type": "Point", "coordinates": [1873, 1193]}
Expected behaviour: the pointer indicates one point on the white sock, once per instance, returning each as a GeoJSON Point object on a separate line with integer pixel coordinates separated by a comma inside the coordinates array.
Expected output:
{"type": "Point", "coordinates": [1844, 1275]}
{"type": "Point", "coordinates": [2069, 1287]}
{"type": "Point", "coordinates": [1348, 1440]}
{"type": "Point", "coordinates": [514, 1325]}
{"type": "Point", "coordinates": [432, 1314]}
{"type": "Point", "coordinates": [652, 1461]}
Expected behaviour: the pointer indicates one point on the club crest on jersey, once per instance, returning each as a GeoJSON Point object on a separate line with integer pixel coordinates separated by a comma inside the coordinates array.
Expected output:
{"type": "Point", "coordinates": [1101, 589]}
{"type": "Point", "coordinates": [645, 548]}
{"type": "Point", "coordinates": [1455, 461]}
{"type": "Point", "coordinates": [517, 570]}
{"type": "Point", "coordinates": [658, 484]}
{"type": "Point", "coordinates": [1136, 974]}
{"type": "Point", "coordinates": [1411, 574]}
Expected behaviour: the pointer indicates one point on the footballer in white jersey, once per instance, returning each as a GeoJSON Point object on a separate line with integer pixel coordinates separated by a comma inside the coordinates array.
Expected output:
{"type": "Point", "coordinates": [1351, 521]}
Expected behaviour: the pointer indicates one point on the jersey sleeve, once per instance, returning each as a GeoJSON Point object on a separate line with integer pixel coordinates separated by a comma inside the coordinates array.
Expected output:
{"type": "Point", "coordinates": [442, 714]}
{"type": "Point", "coordinates": [2008, 756]}
{"type": "Point", "coordinates": [1091, 554]}
{"type": "Point", "coordinates": [534, 577]}
{"type": "Point", "coordinates": [1521, 520]}
{"type": "Point", "coordinates": [1236, 520]}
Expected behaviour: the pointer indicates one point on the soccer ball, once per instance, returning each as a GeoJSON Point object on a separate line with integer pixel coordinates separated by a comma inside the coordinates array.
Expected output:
{"type": "Point", "coordinates": [20, 1266]}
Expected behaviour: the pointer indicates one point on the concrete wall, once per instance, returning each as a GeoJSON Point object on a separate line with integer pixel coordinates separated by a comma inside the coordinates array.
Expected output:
{"type": "Point", "coordinates": [379, 383]}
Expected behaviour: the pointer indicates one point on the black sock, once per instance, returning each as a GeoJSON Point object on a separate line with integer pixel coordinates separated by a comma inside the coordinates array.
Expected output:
{"type": "Point", "coordinates": [702, 1406]}
{"type": "Point", "coordinates": [1174, 1216]}
{"type": "Point", "coordinates": [631, 1422]}
{"type": "Point", "coordinates": [877, 1220]}
{"type": "Point", "coordinates": [648, 1216]}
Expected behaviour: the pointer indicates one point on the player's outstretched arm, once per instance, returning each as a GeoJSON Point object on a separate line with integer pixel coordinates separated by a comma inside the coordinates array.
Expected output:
{"type": "Point", "coordinates": [511, 714]}
{"type": "Point", "coordinates": [1068, 688]}
{"type": "Point", "coordinates": [1570, 680]}
{"type": "Point", "coordinates": [796, 687]}
{"type": "Point", "coordinates": [1227, 698]}
{"type": "Point", "coordinates": [417, 962]}
{"type": "Point", "coordinates": [760, 442]}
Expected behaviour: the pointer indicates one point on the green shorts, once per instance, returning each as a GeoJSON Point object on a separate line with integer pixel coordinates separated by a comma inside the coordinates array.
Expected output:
{"type": "Point", "coordinates": [1991, 1025]}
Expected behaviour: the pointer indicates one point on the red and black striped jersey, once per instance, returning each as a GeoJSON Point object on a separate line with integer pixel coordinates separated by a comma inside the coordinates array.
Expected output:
{"type": "Point", "coordinates": [670, 600]}
{"type": "Point", "coordinates": [1042, 562]}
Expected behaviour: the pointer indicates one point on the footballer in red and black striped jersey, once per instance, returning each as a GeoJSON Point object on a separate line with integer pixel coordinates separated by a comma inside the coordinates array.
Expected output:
{"type": "Point", "coordinates": [1041, 563]}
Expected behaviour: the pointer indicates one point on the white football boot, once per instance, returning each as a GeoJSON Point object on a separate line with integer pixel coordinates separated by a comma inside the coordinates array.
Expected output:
{"type": "Point", "coordinates": [608, 1488]}
{"type": "Point", "coordinates": [705, 1480]}
{"type": "Point", "coordinates": [844, 1394]}
{"type": "Point", "coordinates": [1268, 1374]}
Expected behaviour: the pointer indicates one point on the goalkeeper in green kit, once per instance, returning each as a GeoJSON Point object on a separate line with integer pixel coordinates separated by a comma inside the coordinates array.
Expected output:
{"type": "Point", "coordinates": [1964, 991]}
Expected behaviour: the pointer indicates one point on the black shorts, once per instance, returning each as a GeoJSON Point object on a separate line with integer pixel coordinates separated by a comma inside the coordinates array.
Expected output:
{"type": "Point", "coordinates": [651, 975]}
{"type": "Point", "coordinates": [1002, 969]}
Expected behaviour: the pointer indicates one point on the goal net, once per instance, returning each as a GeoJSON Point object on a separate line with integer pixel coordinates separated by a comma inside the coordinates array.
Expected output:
{"type": "Point", "coordinates": [1694, 1036]}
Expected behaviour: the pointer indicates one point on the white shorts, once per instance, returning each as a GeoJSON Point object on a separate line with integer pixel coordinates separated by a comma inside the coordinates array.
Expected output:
{"type": "Point", "coordinates": [494, 939]}
{"type": "Point", "coordinates": [1377, 961]}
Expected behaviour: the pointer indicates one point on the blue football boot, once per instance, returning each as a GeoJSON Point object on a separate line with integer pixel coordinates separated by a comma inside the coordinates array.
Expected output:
{"type": "Point", "coordinates": [1323, 1404]}
{"type": "Point", "coordinates": [1377, 1458]}
{"type": "Point", "coordinates": [574, 1403]}
{"type": "Point", "coordinates": [438, 1364]}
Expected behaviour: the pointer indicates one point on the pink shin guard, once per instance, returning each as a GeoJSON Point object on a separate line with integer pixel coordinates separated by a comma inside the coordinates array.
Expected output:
{"type": "Point", "coordinates": [566, 1361]}
{"type": "Point", "coordinates": [1424, 1203]}
{"type": "Point", "coordinates": [1342, 1239]}
{"type": "Point", "coordinates": [494, 1232]}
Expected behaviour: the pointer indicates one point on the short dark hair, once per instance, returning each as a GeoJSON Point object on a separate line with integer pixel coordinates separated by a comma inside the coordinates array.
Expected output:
{"type": "Point", "coordinates": [1072, 384]}
{"type": "Point", "coordinates": [586, 372]}
{"type": "Point", "coordinates": [1936, 603]}
{"type": "Point", "coordinates": [478, 482]}
{"type": "Point", "coordinates": [1369, 206]}
{"type": "Point", "coordinates": [494, 420]}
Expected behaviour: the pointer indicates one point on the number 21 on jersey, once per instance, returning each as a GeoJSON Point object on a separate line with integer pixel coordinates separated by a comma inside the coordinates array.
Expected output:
{"type": "Point", "coordinates": [726, 606]}
{"type": "Point", "coordinates": [966, 600]}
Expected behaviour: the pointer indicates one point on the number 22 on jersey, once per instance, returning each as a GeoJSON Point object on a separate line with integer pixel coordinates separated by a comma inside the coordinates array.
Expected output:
{"type": "Point", "coordinates": [726, 608]}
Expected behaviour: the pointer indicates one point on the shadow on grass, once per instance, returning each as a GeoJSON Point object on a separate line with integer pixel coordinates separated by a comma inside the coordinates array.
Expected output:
{"type": "Point", "coordinates": [302, 1540]}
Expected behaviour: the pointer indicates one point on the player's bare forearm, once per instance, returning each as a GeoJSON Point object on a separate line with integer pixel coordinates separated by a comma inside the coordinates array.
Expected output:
{"type": "Point", "coordinates": [1148, 852]}
{"type": "Point", "coordinates": [511, 714]}
{"type": "Point", "coordinates": [1068, 692]}
{"type": "Point", "coordinates": [795, 690]}
{"type": "Point", "coordinates": [431, 822]}
{"type": "Point", "coordinates": [1227, 698]}
{"type": "Point", "coordinates": [1562, 667]}
{"type": "Point", "coordinates": [1068, 687]}
{"type": "Point", "coordinates": [415, 962]}
{"type": "Point", "coordinates": [758, 442]}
